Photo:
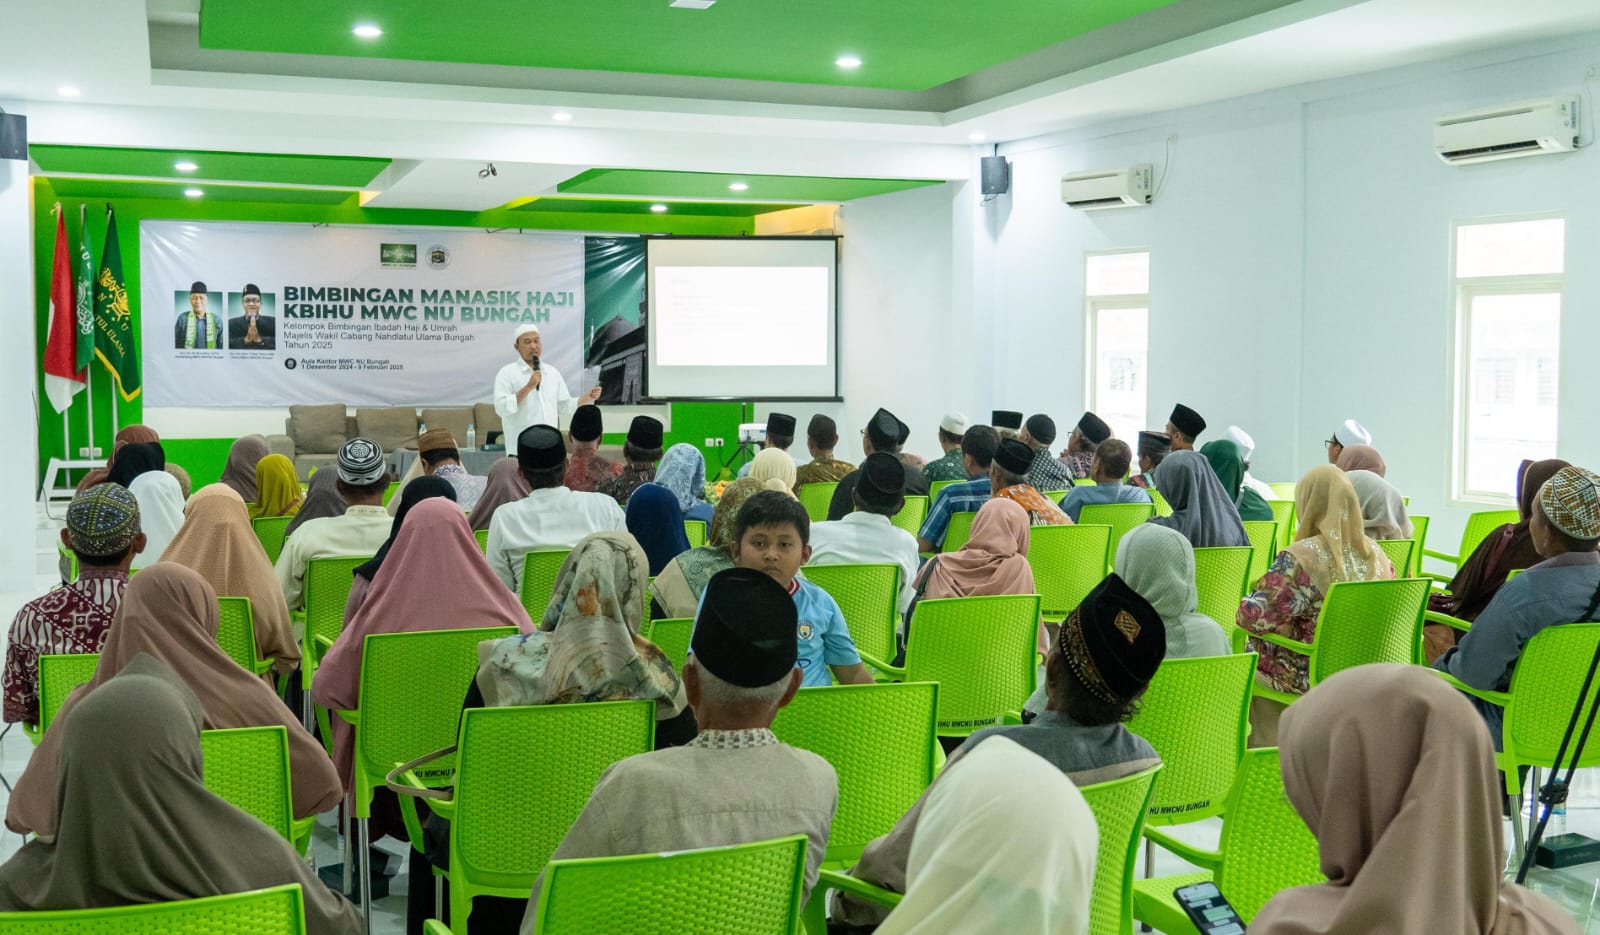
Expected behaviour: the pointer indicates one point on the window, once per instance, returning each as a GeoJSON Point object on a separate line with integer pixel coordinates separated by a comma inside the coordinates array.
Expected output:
{"type": "Point", "coordinates": [1117, 290]}
{"type": "Point", "coordinates": [1508, 281]}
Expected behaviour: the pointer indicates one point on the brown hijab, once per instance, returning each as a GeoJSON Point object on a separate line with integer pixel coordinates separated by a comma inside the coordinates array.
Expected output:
{"type": "Point", "coordinates": [135, 434]}
{"type": "Point", "coordinates": [505, 484]}
{"type": "Point", "coordinates": [170, 613]}
{"type": "Point", "coordinates": [135, 822]}
{"type": "Point", "coordinates": [1503, 551]}
{"type": "Point", "coordinates": [1362, 458]}
{"type": "Point", "coordinates": [240, 472]}
{"type": "Point", "coordinates": [1393, 771]}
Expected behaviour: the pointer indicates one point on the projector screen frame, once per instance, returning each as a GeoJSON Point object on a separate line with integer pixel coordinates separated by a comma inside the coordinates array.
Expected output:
{"type": "Point", "coordinates": [646, 398]}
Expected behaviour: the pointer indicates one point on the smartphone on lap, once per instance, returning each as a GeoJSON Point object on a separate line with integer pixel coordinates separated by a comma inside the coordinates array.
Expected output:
{"type": "Point", "coordinates": [1209, 910]}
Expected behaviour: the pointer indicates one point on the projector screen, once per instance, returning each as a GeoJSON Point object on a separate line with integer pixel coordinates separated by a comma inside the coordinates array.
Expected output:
{"type": "Point", "coordinates": [743, 318]}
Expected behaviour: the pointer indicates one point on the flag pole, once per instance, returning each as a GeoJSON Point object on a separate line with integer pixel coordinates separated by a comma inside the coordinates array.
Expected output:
{"type": "Point", "coordinates": [88, 372]}
{"type": "Point", "coordinates": [114, 427]}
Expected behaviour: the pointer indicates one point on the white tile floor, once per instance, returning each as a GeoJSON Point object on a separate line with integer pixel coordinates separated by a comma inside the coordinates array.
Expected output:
{"type": "Point", "coordinates": [1577, 888]}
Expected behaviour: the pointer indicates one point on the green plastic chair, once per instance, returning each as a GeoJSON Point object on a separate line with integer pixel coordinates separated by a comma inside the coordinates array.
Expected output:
{"type": "Point", "coordinates": [1163, 508]}
{"type": "Point", "coordinates": [981, 651]}
{"type": "Point", "coordinates": [1083, 482]}
{"type": "Point", "coordinates": [236, 634]}
{"type": "Point", "coordinates": [695, 531]}
{"type": "Point", "coordinates": [868, 596]}
{"type": "Point", "coordinates": [58, 676]}
{"type": "Point", "coordinates": [390, 491]}
{"type": "Point", "coordinates": [1419, 533]}
{"type": "Point", "coordinates": [270, 531]}
{"type": "Point", "coordinates": [912, 514]}
{"type": "Point", "coordinates": [1222, 575]}
{"type": "Point", "coordinates": [249, 767]}
{"type": "Point", "coordinates": [935, 486]}
{"type": "Point", "coordinates": [1283, 515]}
{"type": "Point", "coordinates": [1196, 713]}
{"type": "Point", "coordinates": [521, 777]}
{"type": "Point", "coordinates": [539, 570]}
{"type": "Point", "coordinates": [1399, 552]}
{"type": "Point", "coordinates": [1056, 496]}
{"type": "Point", "coordinates": [482, 535]}
{"type": "Point", "coordinates": [748, 889]}
{"type": "Point", "coordinates": [671, 636]}
{"type": "Point", "coordinates": [1361, 622]}
{"type": "Point", "coordinates": [1264, 848]}
{"type": "Point", "coordinates": [1068, 561]}
{"type": "Point", "coordinates": [815, 498]}
{"type": "Point", "coordinates": [1263, 535]}
{"type": "Point", "coordinates": [1123, 518]}
{"type": "Point", "coordinates": [68, 560]}
{"type": "Point", "coordinates": [277, 910]}
{"type": "Point", "coordinates": [328, 582]}
{"type": "Point", "coordinates": [1479, 525]}
{"type": "Point", "coordinates": [959, 530]}
{"type": "Point", "coordinates": [1284, 491]}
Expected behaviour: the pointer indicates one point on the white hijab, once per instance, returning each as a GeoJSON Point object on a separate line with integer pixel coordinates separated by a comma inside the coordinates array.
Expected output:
{"type": "Point", "coordinates": [1383, 510]}
{"type": "Point", "coordinates": [1158, 563]}
{"type": "Point", "coordinates": [160, 513]}
{"type": "Point", "coordinates": [987, 859]}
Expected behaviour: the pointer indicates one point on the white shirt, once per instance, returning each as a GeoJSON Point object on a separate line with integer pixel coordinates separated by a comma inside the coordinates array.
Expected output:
{"type": "Point", "coordinates": [867, 538]}
{"type": "Point", "coordinates": [548, 518]}
{"type": "Point", "coordinates": [551, 404]}
{"type": "Point", "coordinates": [362, 530]}
{"type": "Point", "coordinates": [1260, 487]}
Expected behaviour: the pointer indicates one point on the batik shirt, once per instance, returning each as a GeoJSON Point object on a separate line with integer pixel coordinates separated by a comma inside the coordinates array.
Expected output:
{"type": "Point", "coordinates": [1048, 472]}
{"type": "Point", "coordinates": [73, 618]}
{"type": "Point", "coordinates": [1042, 511]}
{"type": "Point", "coordinates": [948, 467]}
{"type": "Point", "coordinates": [626, 481]}
{"type": "Point", "coordinates": [1077, 464]}
{"type": "Point", "coordinates": [468, 487]}
{"type": "Point", "coordinates": [586, 471]}
{"type": "Point", "coordinates": [822, 471]}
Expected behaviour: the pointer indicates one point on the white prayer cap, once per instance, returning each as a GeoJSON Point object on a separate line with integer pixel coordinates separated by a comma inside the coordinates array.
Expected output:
{"type": "Point", "coordinates": [525, 329]}
{"type": "Point", "coordinates": [954, 422]}
{"type": "Point", "coordinates": [1247, 445]}
{"type": "Point", "coordinates": [1352, 433]}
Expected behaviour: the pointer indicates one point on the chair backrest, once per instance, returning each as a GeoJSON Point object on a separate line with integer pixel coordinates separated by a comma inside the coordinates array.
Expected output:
{"type": "Point", "coordinates": [1419, 534]}
{"type": "Point", "coordinates": [1119, 808]}
{"type": "Point", "coordinates": [1283, 515]}
{"type": "Point", "coordinates": [539, 569]}
{"type": "Point", "coordinates": [277, 910]}
{"type": "Point", "coordinates": [236, 631]}
{"type": "Point", "coordinates": [1222, 573]}
{"type": "Point", "coordinates": [1163, 508]}
{"type": "Point", "coordinates": [482, 535]}
{"type": "Point", "coordinates": [1544, 692]}
{"type": "Point", "coordinates": [1068, 561]}
{"type": "Point", "coordinates": [328, 582]}
{"type": "Point", "coordinates": [981, 652]}
{"type": "Point", "coordinates": [390, 491]}
{"type": "Point", "coordinates": [1196, 713]}
{"type": "Point", "coordinates": [695, 531]}
{"type": "Point", "coordinates": [671, 636]}
{"type": "Point", "coordinates": [1265, 845]}
{"type": "Point", "coordinates": [1399, 552]}
{"type": "Point", "coordinates": [879, 740]}
{"type": "Point", "coordinates": [815, 498]}
{"type": "Point", "coordinates": [1479, 525]}
{"type": "Point", "coordinates": [1369, 621]}
{"type": "Point", "coordinates": [1263, 535]}
{"type": "Point", "coordinates": [523, 775]}
{"type": "Point", "coordinates": [747, 889]}
{"type": "Point", "coordinates": [68, 560]}
{"type": "Point", "coordinates": [1283, 491]}
{"type": "Point", "coordinates": [1056, 496]}
{"type": "Point", "coordinates": [868, 596]}
{"type": "Point", "coordinates": [270, 530]}
{"type": "Point", "coordinates": [912, 514]}
{"type": "Point", "coordinates": [58, 676]}
{"type": "Point", "coordinates": [249, 766]}
{"type": "Point", "coordinates": [1121, 517]}
{"type": "Point", "coordinates": [935, 486]}
{"type": "Point", "coordinates": [959, 530]}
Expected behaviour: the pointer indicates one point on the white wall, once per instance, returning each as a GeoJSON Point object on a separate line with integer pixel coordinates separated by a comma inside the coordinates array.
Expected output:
{"type": "Point", "coordinates": [17, 367]}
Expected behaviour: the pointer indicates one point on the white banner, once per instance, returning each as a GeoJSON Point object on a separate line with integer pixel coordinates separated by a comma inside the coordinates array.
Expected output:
{"type": "Point", "coordinates": [239, 314]}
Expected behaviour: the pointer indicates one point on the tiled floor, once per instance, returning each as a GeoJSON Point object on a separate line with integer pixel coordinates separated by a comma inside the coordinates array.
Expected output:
{"type": "Point", "coordinates": [1578, 888]}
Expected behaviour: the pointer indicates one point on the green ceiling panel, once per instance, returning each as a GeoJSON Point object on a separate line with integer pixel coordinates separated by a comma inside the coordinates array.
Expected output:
{"type": "Point", "coordinates": [113, 189]}
{"type": "Point", "coordinates": [343, 171]}
{"type": "Point", "coordinates": [715, 209]}
{"type": "Point", "coordinates": [650, 183]}
{"type": "Point", "coordinates": [903, 46]}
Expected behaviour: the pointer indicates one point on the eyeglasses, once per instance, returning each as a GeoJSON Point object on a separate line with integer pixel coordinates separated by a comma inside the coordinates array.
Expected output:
{"type": "Point", "coordinates": [1331, 442]}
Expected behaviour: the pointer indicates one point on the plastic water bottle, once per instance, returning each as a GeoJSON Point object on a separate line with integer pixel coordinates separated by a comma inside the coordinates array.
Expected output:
{"type": "Point", "coordinates": [472, 436]}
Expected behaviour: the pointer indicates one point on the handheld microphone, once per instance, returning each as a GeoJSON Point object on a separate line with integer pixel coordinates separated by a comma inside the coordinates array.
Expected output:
{"type": "Point", "coordinates": [535, 362]}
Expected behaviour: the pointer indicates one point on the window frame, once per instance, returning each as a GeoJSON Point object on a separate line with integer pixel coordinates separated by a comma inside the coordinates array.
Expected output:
{"type": "Point", "coordinates": [1093, 305]}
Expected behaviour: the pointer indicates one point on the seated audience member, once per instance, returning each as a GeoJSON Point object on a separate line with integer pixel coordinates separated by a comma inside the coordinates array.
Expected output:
{"type": "Point", "coordinates": [656, 522]}
{"type": "Point", "coordinates": [586, 468]}
{"type": "Point", "coordinates": [1086, 437]}
{"type": "Point", "coordinates": [134, 822]}
{"type": "Point", "coordinates": [1153, 449]}
{"type": "Point", "coordinates": [1228, 464]}
{"type": "Point", "coordinates": [987, 859]}
{"type": "Point", "coordinates": [136, 459]}
{"type": "Point", "coordinates": [322, 501]}
{"type": "Point", "coordinates": [867, 536]}
{"type": "Point", "coordinates": [771, 534]}
{"type": "Point", "coordinates": [185, 485]}
{"type": "Point", "coordinates": [1008, 479]}
{"type": "Point", "coordinates": [217, 543]}
{"type": "Point", "coordinates": [640, 452]}
{"type": "Point", "coordinates": [1159, 563]}
{"type": "Point", "coordinates": [948, 466]}
{"type": "Point", "coordinates": [774, 468]}
{"type": "Point", "coordinates": [1363, 458]}
{"type": "Point", "coordinates": [170, 613]}
{"type": "Point", "coordinates": [505, 484]}
{"type": "Point", "coordinates": [1348, 435]}
{"type": "Point", "coordinates": [822, 435]}
{"type": "Point", "coordinates": [1564, 588]}
{"type": "Point", "coordinates": [1094, 678]}
{"type": "Point", "coordinates": [735, 783]}
{"type": "Point", "coordinates": [240, 470]}
{"type": "Point", "coordinates": [993, 561]}
{"type": "Point", "coordinates": [1201, 509]}
{"type": "Point", "coordinates": [103, 532]}
{"type": "Point", "coordinates": [1006, 422]}
{"type": "Point", "coordinates": [1391, 772]}
{"type": "Point", "coordinates": [676, 591]}
{"type": "Point", "coordinates": [978, 445]}
{"type": "Point", "coordinates": [127, 435]}
{"type": "Point", "coordinates": [1247, 450]}
{"type": "Point", "coordinates": [160, 513]}
{"type": "Point", "coordinates": [1184, 427]}
{"type": "Point", "coordinates": [423, 488]}
{"type": "Point", "coordinates": [360, 530]}
{"type": "Point", "coordinates": [683, 471]}
{"type": "Point", "coordinates": [551, 516]}
{"type": "Point", "coordinates": [440, 457]}
{"type": "Point", "coordinates": [1047, 472]}
{"type": "Point", "coordinates": [1383, 510]}
{"type": "Point", "coordinates": [414, 470]}
{"type": "Point", "coordinates": [884, 432]}
{"type": "Point", "coordinates": [1107, 467]}
{"type": "Point", "coordinates": [277, 488]}
{"type": "Point", "coordinates": [779, 435]}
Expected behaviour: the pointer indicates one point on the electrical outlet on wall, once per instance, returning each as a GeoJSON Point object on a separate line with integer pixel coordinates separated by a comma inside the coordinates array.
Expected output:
{"type": "Point", "coordinates": [89, 452]}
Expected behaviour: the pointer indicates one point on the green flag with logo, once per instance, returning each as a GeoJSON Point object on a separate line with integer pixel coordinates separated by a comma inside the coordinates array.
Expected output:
{"type": "Point", "coordinates": [113, 321]}
{"type": "Point", "coordinates": [84, 296]}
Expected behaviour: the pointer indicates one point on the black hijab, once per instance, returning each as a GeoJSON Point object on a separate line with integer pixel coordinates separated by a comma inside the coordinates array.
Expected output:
{"type": "Point", "coordinates": [138, 458]}
{"type": "Point", "coordinates": [418, 490]}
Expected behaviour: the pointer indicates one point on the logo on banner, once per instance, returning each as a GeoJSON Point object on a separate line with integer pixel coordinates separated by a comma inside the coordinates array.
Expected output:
{"type": "Point", "coordinates": [438, 257]}
{"type": "Point", "coordinates": [397, 255]}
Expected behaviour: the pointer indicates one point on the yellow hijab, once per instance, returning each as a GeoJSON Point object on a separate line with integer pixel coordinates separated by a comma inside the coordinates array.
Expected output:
{"type": "Point", "coordinates": [277, 488]}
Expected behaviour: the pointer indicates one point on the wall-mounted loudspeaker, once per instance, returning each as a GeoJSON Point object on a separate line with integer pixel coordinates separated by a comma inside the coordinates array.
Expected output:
{"type": "Point", "coordinates": [995, 175]}
{"type": "Point", "coordinates": [13, 136]}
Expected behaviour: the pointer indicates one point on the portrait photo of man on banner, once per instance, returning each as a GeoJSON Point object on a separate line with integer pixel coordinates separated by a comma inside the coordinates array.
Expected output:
{"type": "Point", "coordinates": [252, 324]}
{"type": "Point", "coordinates": [198, 327]}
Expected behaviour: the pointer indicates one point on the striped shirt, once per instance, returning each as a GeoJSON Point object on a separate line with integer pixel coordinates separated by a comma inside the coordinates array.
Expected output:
{"type": "Point", "coordinates": [73, 618]}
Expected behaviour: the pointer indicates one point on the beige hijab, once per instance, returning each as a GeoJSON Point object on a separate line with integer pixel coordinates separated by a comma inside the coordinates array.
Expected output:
{"type": "Point", "coordinates": [774, 469]}
{"type": "Point", "coordinates": [1394, 773]}
{"type": "Point", "coordinates": [170, 614]}
{"type": "Point", "coordinates": [1331, 543]}
{"type": "Point", "coordinates": [217, 541]}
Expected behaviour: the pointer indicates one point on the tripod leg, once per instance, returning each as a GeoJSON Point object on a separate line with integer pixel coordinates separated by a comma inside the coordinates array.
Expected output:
{"type": "Point", "coordinates": [1533, 793]}
{"type": "Point", "coordinates": [1515, 804]}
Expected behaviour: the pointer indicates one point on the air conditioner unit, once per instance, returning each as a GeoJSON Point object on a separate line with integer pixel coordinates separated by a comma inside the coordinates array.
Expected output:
{"type": "Point", "coordinates": [1531, 128]}
{"type": "Point", "coordinates": [1113, 188]}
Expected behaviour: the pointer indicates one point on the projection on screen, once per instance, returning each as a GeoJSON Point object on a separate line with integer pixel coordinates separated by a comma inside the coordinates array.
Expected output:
{"type": "Point", "coordinates": [743, 318]}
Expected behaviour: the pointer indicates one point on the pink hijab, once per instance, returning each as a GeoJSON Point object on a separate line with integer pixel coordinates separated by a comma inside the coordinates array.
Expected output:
{"type": "Point", "coordinates": [1362, 458]}
{"type": "Point", "coordinates": [994, 560]}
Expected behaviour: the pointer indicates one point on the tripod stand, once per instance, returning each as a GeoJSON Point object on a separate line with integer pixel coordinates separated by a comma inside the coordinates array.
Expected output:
{"type": "Point", "coordinates": [745, 450]}
{"type": "Point", "coordinates": [1554, 791]}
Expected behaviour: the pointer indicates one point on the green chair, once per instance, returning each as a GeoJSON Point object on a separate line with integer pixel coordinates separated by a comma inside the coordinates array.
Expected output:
{"type": "Point", "coordinates": [1478, 526]}
{"type": "Point", "coordinates": [695, 531]}
{"type": "Point", "coordinates": [868, 596]}
{"type": "Point", "coordinates": [1123, 518]}
{"type": "Point", "coordinates": [482, 535]}
{"type": "Point", "coordinates": [277, 910]}
{"type": "Point", "coordinates": [390, 491]}
{"type": "Point", "coordinates": [1222, 575]}
{"type": "Point", "coordinates": [815, 498]}
{"type": "Point", "coordinates": [270, 532]}
{"type": "Point", "coordinates": [1056, 496]}
{"type": "Point", "coordinates": [1163, 508]}
{"type": "Point", "coordinates": [747, 889]}
{"type": "Point", "coordinates": [1283, 491]}
{"type": "Point", "coordinates": [959, 530]}
{"type": "Point", "coordinates": [249, 767]}
{"type": "Point", "coordinates": [1068, 561]}
{"type": "Point", "coordinates": [521, 777]}
{"type": "Point", "coordinates": [982, 652]}
{"type": "Point", "coordinates": [1361, 622]}
{"type": "Point", "coordinates": [1263, 535]}
{"type": "Point", "coordinates": [671, 636]}
{"type": "Point", "coordinates": [236, 634]}
{"type": "Point", "coordinates": [68, 561]}
{"type": "Point", "coordinates": [58, 676]}
{"type": "Point", "coordinates": [539, 570]}
{"type": "Point", "coordinates": [1419, 534]}
{"type": "Point", "coordinates": [912, 514]}
{"type": "Point", "coordinates": [1283, 515]}
{"type": "Point", "coordinates": [1264, 848]}
{"type": "Point", "coordinates": [935, 486]}
{"type": "Point", "coordinates": [1399, 552]}
{"type": "Point", "coordinates": [1083, 482]}
{"type": "Point", "coordinates": [328, 582]}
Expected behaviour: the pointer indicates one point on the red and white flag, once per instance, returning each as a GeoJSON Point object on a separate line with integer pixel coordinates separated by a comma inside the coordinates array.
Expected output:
{"type": "Point", "coordinates": [62, 378]}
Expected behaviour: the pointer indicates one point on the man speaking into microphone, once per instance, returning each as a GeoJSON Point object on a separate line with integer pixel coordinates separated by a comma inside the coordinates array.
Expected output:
{"type": "Point", "coordinates": [527, 392]}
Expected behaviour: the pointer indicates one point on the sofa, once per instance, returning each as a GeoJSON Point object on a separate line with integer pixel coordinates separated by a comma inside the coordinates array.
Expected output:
{"type": "Point", "coordinates": [313, 434]}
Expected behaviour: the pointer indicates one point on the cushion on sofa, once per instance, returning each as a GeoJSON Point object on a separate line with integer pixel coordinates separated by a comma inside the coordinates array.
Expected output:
{"type": "Point", "coordinates": [487, 420]}
{"type": "Point", "coordinates": [316, 429]}
{"type": "Point", "coordinates": [456, 420]}
{"type": "Point", "coordinates": [394, 427]}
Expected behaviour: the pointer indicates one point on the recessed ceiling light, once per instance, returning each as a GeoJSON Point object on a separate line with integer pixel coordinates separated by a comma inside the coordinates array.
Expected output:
{"type": "Point", "coordinates": [68, 90]}
{"type": "Point", "coordinates": [185, 166]}
{"type": "Point", "coordinates": [977, 136]}
{"type": "Point", "coordinates": [848, 61]}
{"type": "Point", "coordinates": [693, 4]}
{"type": "Point", "coordinates": [561, 116]}
{"type": "Point", "coordinates": [192, 193]}
{"type": "Point", "coordinates": [366, 31]}
{"type": "Point", "coordinates": [738, 187]}
{"type": "Point", "coordinates": [658, 209]}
